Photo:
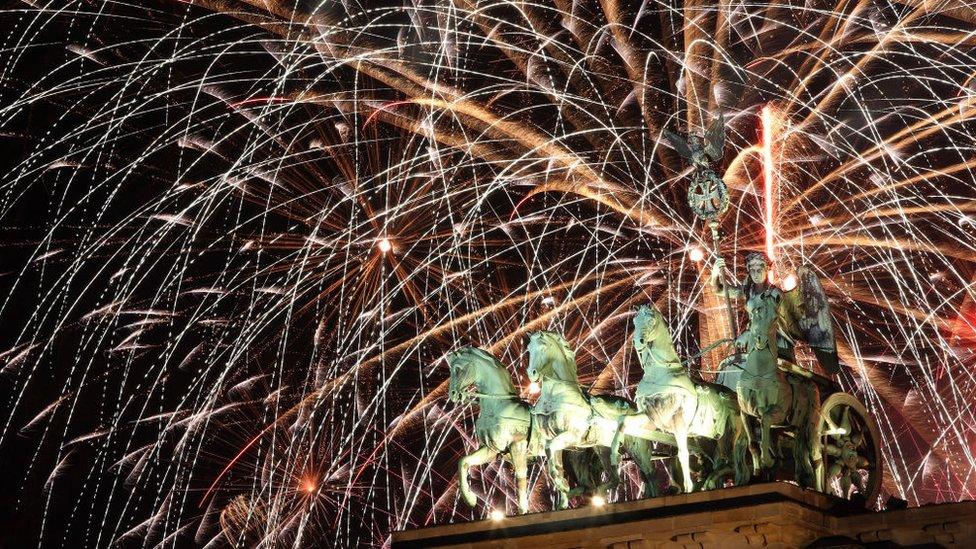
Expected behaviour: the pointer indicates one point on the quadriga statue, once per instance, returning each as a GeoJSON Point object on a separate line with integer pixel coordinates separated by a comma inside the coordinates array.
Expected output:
{"type": "Point", "coordinates": [769, 396]}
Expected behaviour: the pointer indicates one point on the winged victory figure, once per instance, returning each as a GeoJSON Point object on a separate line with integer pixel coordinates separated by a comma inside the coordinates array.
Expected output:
{"type": "Point", "coordinates": [707, 193]}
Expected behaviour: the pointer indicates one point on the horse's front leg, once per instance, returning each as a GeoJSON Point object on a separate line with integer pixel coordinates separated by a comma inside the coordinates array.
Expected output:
{"type": "Point", "coordinates": [618, 436]}
{"type": "Point", "coordinates": [630, 425]}
{"type": "Point", "coordinates": [684, 457]}
{"type": "Point", "coordinates": [554, 454]}
{"type": "Point", "coordinates": [740, 451]}
{"type": "Point", "coordinates": [478, 457]}
{"type": "Point", "coordinates": [747, 424]}
{"type": "Point", "coordinates": [520, 460]}
{"type": "Point", "coordinates": [766, 442]}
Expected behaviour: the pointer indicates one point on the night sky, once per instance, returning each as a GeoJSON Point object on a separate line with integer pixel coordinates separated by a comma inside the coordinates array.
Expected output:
{"type": "Point", "coordinates": [240, 236]}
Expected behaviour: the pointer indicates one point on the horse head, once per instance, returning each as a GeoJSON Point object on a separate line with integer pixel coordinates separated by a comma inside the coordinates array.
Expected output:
{"type": "Point", "coordinates": [647, 324]}
{"type": "Point", "coordinates": [473, 367]}
{"type": "Point", "coordinates": [652, 339]}
{"type": "Point", "coordinates": [550, 357]}
{"type": "Point", "coordinates": [462, 374]}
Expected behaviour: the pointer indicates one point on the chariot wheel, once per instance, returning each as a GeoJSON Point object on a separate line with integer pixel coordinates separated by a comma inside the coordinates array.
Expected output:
{"type": "Point", "coordinates": [851, 449]}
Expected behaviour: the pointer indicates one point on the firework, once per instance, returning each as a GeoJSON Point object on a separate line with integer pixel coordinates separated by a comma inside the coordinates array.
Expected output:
{"type": "Point", "coordinates": [245, 234]}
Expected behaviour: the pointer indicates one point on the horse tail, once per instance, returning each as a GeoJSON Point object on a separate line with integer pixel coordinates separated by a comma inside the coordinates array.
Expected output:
{"type": "Point", "coordinates": [585, 466]}
{"type": "Point", "coordinates": [741, 469]}
{"type": "Point", "coordinates": [641, 451]}
{"type": "Point", "coordinates": [536, 439]}
{"type": "Point", "coordinates": [806, 410]}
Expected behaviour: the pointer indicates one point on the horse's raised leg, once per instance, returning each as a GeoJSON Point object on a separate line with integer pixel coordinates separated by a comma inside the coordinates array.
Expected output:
{"type": "Point", "coordinates": [520, 460]}
{"type": "Point", "coordinates": [554, 453]}
{"type": "Point", "coordinates": [684, 457]}
{"type": "Point", "coordinates": [478, 457]}
{"type": "Point", "coordinates": [632, 425]}
{"type": "Point", "coordinates": [615, 445]}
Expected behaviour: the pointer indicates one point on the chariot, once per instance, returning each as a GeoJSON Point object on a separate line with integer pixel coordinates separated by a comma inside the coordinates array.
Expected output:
{"type": "Point", "coordinates": [848, 439]}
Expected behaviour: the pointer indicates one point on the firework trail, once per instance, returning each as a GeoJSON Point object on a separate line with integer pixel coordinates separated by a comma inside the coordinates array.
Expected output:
{"type": "Point", "coordinates": [242, 235]}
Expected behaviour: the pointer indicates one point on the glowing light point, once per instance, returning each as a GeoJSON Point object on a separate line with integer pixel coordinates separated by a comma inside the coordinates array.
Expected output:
{"type": "Point", "coordinates": [496, 515]}
{"type": "Point", "coordinates": [696, 254]}
{"type": "Point", "coordinates": [789, 282]}
{"type": "Point", "coordinates": [598, 501]}
{"type": "Point", "coordinates": [384, 245]}
{"type": "Point", "coordinates": [309, 486]}
{"type": "Point", "coordinates": [534, 388]}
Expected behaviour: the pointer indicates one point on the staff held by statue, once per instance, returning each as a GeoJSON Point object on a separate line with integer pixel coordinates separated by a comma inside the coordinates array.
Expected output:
{"type": "Point", "coordinates": [708, 196]}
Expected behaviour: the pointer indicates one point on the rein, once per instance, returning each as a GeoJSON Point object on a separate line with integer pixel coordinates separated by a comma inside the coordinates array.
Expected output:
{"type": "Point", "coordinates": [673, 366]}
{"type": "Point", "coordinates": [704, 351]}
{"type": "Point", "coordinates": [488, 395]}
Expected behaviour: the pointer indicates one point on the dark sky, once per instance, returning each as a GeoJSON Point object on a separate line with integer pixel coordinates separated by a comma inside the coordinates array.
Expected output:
{"type": "Point", "coordinates": [113, 229]}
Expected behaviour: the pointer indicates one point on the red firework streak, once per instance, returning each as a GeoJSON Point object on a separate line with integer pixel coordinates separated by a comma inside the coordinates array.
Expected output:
{"type": "Point", "coordinates": [768, 180]}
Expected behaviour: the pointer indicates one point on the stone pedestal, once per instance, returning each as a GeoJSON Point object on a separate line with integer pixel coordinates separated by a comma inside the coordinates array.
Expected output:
{"type": "Point", "coordinates": [774, 515]}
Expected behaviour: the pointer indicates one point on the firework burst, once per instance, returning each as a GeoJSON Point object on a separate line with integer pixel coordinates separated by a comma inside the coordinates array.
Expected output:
{"type": "Point", "coordinates": [245, 233]}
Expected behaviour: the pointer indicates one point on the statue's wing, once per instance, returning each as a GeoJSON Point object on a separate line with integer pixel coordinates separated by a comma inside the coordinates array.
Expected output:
{"type": "Point", "coordinates": [678, 143]}
{"type": "Point", "coordinates": [804, 314]}
{"type": "Point", "coordinates": [715, 138]}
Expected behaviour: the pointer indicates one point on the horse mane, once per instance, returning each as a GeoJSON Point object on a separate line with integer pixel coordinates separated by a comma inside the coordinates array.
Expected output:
{"type": "Point", "coordinates": [568, 353]}
{"type": "Point", "coordinates": [503, 372]}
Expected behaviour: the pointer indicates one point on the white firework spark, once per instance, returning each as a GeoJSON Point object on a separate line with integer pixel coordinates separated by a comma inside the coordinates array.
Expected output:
{"type": "Point", "coordinates": [247, 231]}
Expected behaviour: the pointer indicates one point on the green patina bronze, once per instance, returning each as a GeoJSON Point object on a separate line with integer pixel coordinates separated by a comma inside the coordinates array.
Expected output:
{"type": "Point", "coordinates": [670, 402]}
{"type": "Point", "coordinates": [769, 396]}
{"type": "Point", "coordinates": [765, 415]}
{"type": "Point", "coordinates": [569, 417]}
{"type": "Point", "coordinates": [503, 420]}
{"type": "Point", "coordinates": [504, 425]}
{"type": "Point", "coordinates": [832, 443]}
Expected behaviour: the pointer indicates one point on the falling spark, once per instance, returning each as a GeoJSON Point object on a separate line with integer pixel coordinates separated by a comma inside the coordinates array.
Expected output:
{"type": "Point", "coordinates": [205, 293]}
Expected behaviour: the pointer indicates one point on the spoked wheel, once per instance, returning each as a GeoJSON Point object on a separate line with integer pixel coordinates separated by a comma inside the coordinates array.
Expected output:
{"type": "Point", "coordinates": [851, 448]}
